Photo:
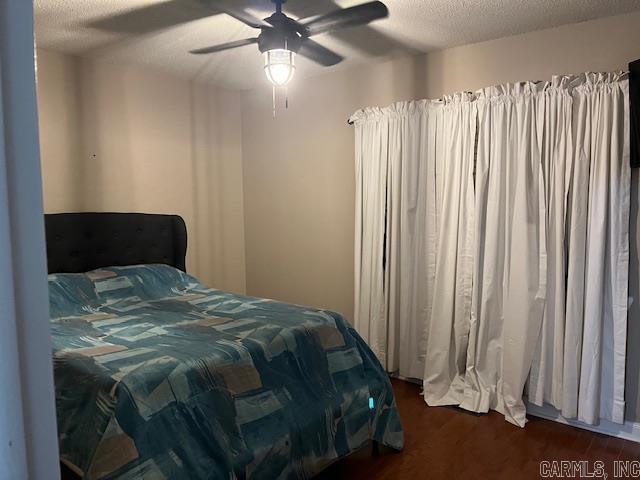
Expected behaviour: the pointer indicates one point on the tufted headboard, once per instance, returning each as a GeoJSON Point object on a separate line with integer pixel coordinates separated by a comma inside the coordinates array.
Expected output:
{"type": "Point", "coordinates": [79, 242]}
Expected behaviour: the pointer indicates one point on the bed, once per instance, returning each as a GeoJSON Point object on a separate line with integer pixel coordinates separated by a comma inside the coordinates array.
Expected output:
{"type": "Point", "coordinates": [158, 376]}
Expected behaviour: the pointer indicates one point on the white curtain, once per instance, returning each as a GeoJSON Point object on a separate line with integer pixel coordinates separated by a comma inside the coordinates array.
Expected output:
{"type": "Point", "coordinates": [411, 225]}
{"type": "Point", "coordinates": [391, 174]}
{"type": "Point", "coordinates": [555, 105]}
{"type": "Point", "coordinates": [409, 188]}
{"type": "Point", "coordinates": [500, 227]}
{"type": "Point", "coordinates": [579, 366]}
{"type": "Point", "coordinates": [448, 330]}
{"type": "Point", "coordinates": [372, 161]}
{"type": "Point", "coordinates": [510, 257]}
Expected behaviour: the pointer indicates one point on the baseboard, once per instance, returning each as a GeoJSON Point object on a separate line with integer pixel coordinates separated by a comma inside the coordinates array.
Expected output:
{"type": "Point", "coordinates": [628, 430]}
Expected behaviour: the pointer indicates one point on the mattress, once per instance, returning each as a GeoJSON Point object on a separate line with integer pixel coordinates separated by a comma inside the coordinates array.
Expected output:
{"type": "Point", "coordinates": [158, 376]}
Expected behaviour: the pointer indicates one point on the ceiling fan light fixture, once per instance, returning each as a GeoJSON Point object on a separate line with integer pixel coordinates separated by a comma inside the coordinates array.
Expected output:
{"type": "Point", "coordinates": [281, 37]}
{"type": "Point", "coordinates": [279, 65]}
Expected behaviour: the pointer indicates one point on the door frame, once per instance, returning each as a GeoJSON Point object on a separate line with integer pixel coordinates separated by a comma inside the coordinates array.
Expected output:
{"type": "Point", "coordinates": [28, 432]}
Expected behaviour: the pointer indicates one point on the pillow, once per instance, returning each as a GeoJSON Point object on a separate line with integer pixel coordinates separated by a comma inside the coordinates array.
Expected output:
{"type": "Point", "coordinates": [71, 294]}
{"type": "Point", "coordinates": [143, 281]}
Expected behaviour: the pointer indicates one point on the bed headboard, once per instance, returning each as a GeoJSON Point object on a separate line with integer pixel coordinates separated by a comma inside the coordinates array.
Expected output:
{"type": "Point", "coordinates": [79, 242]}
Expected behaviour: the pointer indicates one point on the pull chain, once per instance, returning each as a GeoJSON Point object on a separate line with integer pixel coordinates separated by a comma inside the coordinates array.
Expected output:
{"type": "Point", "coordinates": [286, 86]}
{"type": "Point", "coordinates": [273, 96]}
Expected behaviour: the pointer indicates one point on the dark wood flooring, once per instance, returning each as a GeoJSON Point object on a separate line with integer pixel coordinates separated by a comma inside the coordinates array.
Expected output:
{"type": "Point", "coordinates": [449, 443]}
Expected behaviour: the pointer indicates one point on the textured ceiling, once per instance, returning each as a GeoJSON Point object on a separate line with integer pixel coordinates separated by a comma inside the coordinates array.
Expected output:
{"type": "Point", "coordinates": [87, 28]}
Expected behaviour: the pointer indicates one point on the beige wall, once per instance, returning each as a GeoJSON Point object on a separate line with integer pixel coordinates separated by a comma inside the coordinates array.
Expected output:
{"type": "Point", "coordinates": [299, 186]}
{"type": "Point", "coordinates": [299, 174]}
{"type": "Point", "coordinates": [599, 45]}
{"type": "Point", "coordinates": [120, 138]}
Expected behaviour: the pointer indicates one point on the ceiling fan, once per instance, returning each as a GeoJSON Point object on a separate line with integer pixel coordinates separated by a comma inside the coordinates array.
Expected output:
{"type": "Point", "coordinates": [281, 37]}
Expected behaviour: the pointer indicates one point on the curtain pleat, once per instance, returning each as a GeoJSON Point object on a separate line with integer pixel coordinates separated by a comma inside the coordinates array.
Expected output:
{"type": "Point", "coordinates": [492, 245]}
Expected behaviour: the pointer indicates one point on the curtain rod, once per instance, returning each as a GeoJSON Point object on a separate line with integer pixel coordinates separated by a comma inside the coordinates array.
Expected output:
{"type": "Point", "coordinates": [633, 73]}
{"type": "Point", "coordinates": [441, 99]}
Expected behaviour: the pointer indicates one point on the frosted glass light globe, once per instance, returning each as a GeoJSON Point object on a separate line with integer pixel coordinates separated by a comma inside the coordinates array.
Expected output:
{"type": "Point", "coordinates": [279, 65]}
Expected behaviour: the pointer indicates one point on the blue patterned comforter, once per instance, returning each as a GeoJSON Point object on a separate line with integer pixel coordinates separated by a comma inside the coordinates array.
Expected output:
{"type": "Point", "coordinates": [160, 377]}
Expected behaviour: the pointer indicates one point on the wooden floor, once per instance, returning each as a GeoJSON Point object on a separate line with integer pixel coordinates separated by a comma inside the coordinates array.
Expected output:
{"type": "Point", "coordinates": [449, 443]}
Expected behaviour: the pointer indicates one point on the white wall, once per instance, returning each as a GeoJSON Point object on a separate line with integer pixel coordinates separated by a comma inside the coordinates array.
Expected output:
{"type": "Point", "coordinates": [299, 169]}
{"type": "Point", "coordinates": [121, 138]}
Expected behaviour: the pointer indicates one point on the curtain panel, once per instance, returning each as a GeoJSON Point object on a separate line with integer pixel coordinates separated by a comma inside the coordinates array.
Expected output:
{"type": "Point", "coordinates": [510, 254]}
{"type": "Point", "coordinates": [579, 365]}
{"type": "Point", "coordinates": [405, 187]}
{"type": "Point", "coordinates": [492, 244]}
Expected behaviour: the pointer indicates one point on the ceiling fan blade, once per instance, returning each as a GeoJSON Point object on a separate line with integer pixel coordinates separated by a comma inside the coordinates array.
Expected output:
{"type": "Point", "coordinates": [347, 17]}
{"type": "Point", "coordinates": [225, 46]}
{"type": "Point", "coordinates": [319, 54]}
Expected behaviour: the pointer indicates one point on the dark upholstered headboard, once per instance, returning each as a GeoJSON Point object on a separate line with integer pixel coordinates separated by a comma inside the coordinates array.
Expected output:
{"type": "Point", "coordinates": [79, 242]}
